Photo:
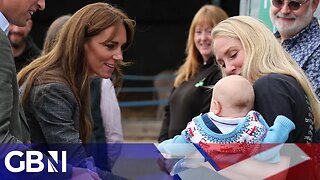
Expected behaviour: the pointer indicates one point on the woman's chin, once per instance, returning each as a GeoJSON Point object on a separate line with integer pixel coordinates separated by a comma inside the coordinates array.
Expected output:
{"type": "Point", "coordinates": [105, 76]}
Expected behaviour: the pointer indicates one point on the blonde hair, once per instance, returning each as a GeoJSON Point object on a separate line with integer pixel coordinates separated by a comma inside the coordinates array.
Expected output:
{"type": "Point", "coordinates": [65, 63]}
{"type": "Point", "coordinates": [207, 14]}
{"type": "Point", "coordinates": [265, 55]}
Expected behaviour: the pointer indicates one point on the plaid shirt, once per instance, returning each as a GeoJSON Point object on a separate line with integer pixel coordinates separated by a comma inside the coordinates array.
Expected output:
{"type": "Point", "coordinates": [304, 47]}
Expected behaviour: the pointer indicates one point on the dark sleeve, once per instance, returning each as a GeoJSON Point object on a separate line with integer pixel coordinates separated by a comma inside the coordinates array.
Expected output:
{"type": "Point", "coordinates": [206, 100]}
{"type": "Point", "coordinates": [98, 135]}
{"type": "Point", "coordinates": [164, 132]}
{"type": "Point", "coordinates": [165, 125]}
{"type": "Point", "coordinates": [214, 76]}
{"type": "Point", "coordinates": [272, 99]}
{"type": "Point", "coordinates": [33, 51]}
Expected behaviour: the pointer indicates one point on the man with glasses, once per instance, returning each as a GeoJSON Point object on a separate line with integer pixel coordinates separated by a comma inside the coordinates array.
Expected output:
{"type": "Point", "coordinates": [299, 33]}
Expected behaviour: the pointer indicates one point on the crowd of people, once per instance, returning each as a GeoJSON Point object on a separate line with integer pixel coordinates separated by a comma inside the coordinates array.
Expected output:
{"type": "Point", "coordinates": [240, 84]}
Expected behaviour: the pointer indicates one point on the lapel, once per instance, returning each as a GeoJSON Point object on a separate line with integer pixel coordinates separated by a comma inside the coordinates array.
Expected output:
{"type": "Point", "coordinates": [23, 117]}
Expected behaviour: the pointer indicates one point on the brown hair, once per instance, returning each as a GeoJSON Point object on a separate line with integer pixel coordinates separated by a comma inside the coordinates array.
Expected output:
{"type": "Point", "coordinates": [65, 63]}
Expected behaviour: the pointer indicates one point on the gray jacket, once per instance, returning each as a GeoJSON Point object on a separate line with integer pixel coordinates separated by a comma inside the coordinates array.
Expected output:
{"type": "Point", "coordinates": [54, 120]}
{"type": "Point", "coordinates": [52, 114]}
{"type": "Point", "coordinates": [13, 125]}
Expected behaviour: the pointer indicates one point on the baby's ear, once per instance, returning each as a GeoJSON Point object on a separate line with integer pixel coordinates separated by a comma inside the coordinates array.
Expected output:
{"type": "Point", "coordinates": [216, 107]}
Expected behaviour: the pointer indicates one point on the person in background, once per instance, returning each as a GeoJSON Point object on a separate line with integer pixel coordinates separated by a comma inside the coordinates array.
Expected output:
{"type": "Point", "coordinates": [190, 96]}
{"type": "Point", "coordinates": [244, 46]}
{"type": "Point", "coordinates": [111, 119]}
{"type": "Point", "coordinates": [53, 32]}
{"type": "Point", "coordinates": [298, 31]}
{"type": "Point", "coordinates": [23, 48]}
{"type": "Point", "coordinates": [231, 130]}
{"type": "Point", "coordinates": [110, 112]}
{"type": "Point", "coordinates": [106, 115]}
{"type": "Point", "coordinates": [55, 88]}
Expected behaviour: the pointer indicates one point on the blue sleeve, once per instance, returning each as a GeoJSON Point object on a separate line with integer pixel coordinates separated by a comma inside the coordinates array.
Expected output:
{"type": "Point", "coordinates": [180, 145]}
{"type": "Point", "coordinates": [277, 134]}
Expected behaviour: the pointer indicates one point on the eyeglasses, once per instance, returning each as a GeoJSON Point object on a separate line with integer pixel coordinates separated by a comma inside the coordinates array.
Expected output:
{"type": "Point", "coordinates": [293, 5]}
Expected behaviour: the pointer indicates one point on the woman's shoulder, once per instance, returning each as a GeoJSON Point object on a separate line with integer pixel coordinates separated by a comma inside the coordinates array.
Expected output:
{"type": "Point", "coordinates": [52, 86]}
{"type": "Point", "coordinates": [275, 79]}
{"type": "Point", "coordinates": [278, 84]}
{"type": "Point", "coordinates": [54, 89]}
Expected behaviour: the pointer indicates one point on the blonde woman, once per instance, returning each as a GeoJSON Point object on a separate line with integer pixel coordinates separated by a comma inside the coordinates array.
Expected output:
{"type": "Point", "coordinates": [244, 46]}
{"type": "Point", "coordinates": [190, 96]}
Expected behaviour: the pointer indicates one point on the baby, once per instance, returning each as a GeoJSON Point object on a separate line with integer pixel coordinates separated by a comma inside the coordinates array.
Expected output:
{"type": "Point", "coordinates": [231, 131]}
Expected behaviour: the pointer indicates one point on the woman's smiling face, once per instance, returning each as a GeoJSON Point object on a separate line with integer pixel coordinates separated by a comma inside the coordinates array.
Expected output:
{"type": "Point", "coordinates": [202, 40]}
{"type": "Point", "coordinates": [103, 51]}
{"type": "Point", "coordinates": [229, 54]}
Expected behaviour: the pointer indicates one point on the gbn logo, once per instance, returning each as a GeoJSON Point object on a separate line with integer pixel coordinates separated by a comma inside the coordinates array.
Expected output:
{"type": "Point", "coordinates": [34, 158]}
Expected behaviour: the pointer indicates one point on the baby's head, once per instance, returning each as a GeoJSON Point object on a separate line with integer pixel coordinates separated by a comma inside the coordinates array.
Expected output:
{"type": "Point", "coordinates": [232, 96]}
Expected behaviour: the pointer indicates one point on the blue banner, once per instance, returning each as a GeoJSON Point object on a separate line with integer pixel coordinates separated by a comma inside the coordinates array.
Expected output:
{"type": "Point", "coordinates": [143, 161]}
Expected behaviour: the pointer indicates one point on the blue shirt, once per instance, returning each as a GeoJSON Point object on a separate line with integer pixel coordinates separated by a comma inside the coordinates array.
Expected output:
{"type": "Point", "coordinates": [4, 24]}
{"type": "Point", "coordinates": [304, 47]}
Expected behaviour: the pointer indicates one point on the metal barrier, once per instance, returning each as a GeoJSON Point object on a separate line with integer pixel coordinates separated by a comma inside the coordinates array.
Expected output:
{"type": "Point", "coordinates": [165, 78]}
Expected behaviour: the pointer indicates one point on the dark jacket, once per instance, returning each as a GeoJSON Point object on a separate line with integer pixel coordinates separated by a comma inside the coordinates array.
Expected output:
{"type": "Point", "coordinates": [30, 52]}
{"type": "Point", "coordinates": [188, 100]}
